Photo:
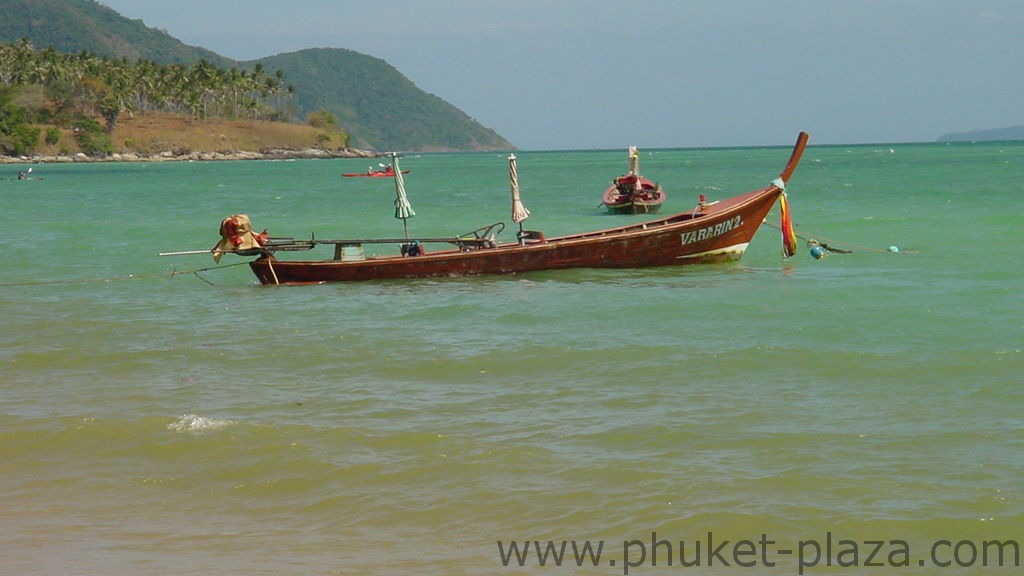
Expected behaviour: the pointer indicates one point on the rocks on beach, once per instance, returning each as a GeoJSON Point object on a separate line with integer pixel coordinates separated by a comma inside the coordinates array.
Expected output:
{"type": "Point", "coordinates": [182, 155]}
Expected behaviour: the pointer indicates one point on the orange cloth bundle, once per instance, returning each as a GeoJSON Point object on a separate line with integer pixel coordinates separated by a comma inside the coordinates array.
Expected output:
{"type": "Point", "coordinates": [236, 235]}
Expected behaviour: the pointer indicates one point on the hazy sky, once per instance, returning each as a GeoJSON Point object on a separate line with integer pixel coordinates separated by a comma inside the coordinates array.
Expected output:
{"type": "Point", "coordinates": [567, 74]}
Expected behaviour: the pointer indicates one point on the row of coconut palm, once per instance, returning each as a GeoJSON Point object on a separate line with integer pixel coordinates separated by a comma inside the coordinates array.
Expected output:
{"type": "Point", "coordinates": [88, 83]}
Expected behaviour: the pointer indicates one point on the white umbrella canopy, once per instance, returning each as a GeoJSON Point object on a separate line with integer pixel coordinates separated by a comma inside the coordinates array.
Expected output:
{"type": "Point", "coordinates": [519, 212]}
{"type": "Point", "coordinates": [403, 209]}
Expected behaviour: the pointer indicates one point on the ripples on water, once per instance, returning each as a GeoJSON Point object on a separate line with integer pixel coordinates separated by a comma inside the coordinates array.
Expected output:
{"type": "Point", "coordinates": [162, 425]}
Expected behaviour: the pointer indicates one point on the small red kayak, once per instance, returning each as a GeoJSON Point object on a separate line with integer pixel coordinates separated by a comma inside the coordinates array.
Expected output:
{"type": "Point", "coordinates": [386, 173]}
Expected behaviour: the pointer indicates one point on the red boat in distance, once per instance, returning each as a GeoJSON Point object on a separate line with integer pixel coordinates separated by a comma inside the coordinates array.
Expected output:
{"type": "Point", "coordinates": [632, 193]}
{"type": "Point", "coordinates": [385, 172]}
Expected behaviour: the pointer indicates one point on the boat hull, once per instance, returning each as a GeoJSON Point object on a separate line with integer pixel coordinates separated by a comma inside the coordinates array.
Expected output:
{"type": "Point", "coordinates": [641, 196]}
{"type": "Point", "coordinates": [635, 207]}
{"type": "Point", "coordinates": [720, 232]}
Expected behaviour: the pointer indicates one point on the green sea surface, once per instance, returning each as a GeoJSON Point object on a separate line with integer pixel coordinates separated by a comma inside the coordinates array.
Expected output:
{"type": "Point", "coordinates": [168, 415]}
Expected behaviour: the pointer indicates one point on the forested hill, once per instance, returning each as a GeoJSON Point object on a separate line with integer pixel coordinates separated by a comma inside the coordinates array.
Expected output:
{"type": "Point", "coordinates": [76, 25]}
{"type": "Point", "coordinates": [382, 108]}
{"type": "Point", "coordinates": [377, 106]}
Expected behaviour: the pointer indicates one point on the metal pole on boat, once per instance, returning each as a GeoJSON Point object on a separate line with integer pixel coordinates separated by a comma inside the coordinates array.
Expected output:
{"type": "Point", "coordinates": [186, 252]}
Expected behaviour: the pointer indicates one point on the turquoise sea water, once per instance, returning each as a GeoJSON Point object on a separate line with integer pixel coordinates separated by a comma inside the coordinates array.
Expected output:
{"type": "Point", "coordinates": [169, 425]}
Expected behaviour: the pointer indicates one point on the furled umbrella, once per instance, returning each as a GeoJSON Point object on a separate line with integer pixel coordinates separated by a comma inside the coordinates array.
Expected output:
{"type": "Point", "coordinates": [403, 209]}
{"type": "Point", "coordinates": [634, 161]}
{"type": "Point", "coordinates": [519, 212]}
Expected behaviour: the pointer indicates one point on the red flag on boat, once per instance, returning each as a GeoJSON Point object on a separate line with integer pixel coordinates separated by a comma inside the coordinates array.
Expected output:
{"type": "Point", "coordinates": [788, 234]}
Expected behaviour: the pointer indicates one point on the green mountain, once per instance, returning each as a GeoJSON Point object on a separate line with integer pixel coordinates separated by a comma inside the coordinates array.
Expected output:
{"type": "Point", "coordinates": [76, 25]}
{"type": "Point", "coordinates": [1011, 133]}
{"type": "Point", "coordinates": [376, 105]}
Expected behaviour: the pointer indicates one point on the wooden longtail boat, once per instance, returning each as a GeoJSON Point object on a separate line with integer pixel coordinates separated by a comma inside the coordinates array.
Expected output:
{"type": "Point", "coordinates": [711, 232]}
{"type": "Point", "coordinates": [632, 193]}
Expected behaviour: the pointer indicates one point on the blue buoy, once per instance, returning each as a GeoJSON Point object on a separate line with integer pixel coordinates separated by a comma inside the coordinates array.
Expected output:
{"type": "Point", "coordinates": [817, 252]}
{"type": "Point", "coordinates": [894, 249]}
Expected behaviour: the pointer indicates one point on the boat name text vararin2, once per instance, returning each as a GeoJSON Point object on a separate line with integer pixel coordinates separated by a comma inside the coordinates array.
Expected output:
{"type": "Point", "coordinates": [711, 231]}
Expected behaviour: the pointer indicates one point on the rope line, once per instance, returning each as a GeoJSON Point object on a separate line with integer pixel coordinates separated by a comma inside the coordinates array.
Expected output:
{"type": "Point", "coordinates": [824, 240]}
{"type": "Point", "coordinates": [171, 274]}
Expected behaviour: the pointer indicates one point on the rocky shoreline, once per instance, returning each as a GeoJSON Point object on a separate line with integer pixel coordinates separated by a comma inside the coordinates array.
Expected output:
{"type": "Point", "coordinates": [181, 155]}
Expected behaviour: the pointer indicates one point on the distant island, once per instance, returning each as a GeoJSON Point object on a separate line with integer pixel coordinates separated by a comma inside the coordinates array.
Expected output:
{"type": "Point", "coordinates": [996, 134]}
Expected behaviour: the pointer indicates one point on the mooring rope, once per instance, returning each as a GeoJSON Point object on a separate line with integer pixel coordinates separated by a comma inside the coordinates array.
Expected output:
{"type": "Point", "coordinates": [824, 242]}
{"type": "Point", "coordinates": [170, 274]}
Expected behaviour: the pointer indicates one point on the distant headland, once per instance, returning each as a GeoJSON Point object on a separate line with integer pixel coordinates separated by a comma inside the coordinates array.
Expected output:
{"type": "Point", "coordinates": [1011, 133]}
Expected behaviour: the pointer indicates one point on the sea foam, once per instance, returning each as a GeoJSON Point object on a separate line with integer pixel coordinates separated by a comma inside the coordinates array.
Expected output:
{"type": "Point", "coordinates": [197, 424]}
